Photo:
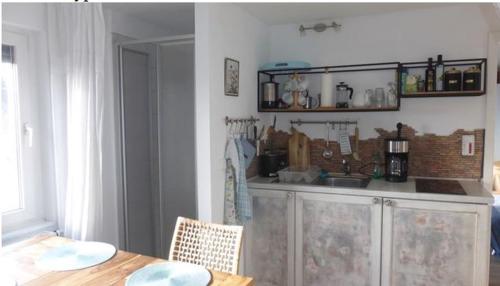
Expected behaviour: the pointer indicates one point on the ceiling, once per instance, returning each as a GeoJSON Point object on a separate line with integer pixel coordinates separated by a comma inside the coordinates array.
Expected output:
{"type": "Point", "coordinates": [295, 13]}
{"type": "Point", "coordinates": [177, 18]}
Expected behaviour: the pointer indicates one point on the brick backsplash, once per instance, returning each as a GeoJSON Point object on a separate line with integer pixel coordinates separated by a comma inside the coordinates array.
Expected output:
{"type": "Point", "coordinates": [430, 155]}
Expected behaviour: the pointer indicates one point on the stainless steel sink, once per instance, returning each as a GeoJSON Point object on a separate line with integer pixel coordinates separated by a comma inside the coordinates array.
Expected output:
{"type": "Point", "coordinates": [351, 181]}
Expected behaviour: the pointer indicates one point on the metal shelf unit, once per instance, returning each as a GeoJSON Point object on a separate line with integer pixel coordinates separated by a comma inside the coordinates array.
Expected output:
{"type": "Point", "coordinates": [268, 75]}
{"type": "Point", "coordinates": [480, 62]}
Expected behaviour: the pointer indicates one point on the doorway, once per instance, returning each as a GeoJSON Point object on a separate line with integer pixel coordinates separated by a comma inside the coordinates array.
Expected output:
{"type": "Point", "coordinates": [157, 140]}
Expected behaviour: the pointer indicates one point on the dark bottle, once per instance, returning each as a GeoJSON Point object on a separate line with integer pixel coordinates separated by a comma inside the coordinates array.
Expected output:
{"type": "Point", "coordinates": [430, 77]}
{"type": "Point", "coordinates": [439, 73]}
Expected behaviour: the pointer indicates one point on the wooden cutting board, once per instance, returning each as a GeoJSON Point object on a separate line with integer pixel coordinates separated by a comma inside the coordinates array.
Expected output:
{"type": "Point", "coordinates": [299, 150]}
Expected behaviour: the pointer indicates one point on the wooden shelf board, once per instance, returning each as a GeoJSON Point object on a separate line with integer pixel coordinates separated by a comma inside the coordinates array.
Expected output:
{"type": "Point", "coordinates": [332, 109]}
{"type": "Point", "coordinates": [443, 94]}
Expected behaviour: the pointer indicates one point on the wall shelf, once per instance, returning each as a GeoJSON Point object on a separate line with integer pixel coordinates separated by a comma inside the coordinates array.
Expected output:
{"type": "Point", "coordinates": [273, 75]}
{"type": "Point", "coordinates": [464, 63]}
{"type": "Point", "coordinates": [332, 109]}
{"type": "Point", "coordinates": [443, 94]}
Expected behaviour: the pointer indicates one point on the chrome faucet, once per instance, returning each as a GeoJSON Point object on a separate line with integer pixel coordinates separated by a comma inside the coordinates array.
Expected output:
{"type": "Point", "coordinates": [346, 167]}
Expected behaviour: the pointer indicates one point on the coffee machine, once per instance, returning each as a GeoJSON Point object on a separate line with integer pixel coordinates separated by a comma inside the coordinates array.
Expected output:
{"type": "Point", "coordinates": [396, 158]}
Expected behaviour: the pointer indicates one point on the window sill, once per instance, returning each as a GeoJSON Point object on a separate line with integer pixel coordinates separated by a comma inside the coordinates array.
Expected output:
{"type": "Point", "coordinates": [27, 230]}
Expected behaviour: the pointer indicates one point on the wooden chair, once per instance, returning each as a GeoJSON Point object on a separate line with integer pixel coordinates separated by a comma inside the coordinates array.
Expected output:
{"type": "Point", "coordinates": [214, 246]}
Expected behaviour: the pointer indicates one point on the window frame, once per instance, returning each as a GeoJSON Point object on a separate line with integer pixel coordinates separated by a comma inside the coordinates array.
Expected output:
{"type": "Point", "coordinates": [32, 182]}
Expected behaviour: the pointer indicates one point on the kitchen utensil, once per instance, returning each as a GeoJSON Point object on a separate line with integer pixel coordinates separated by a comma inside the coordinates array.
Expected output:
{"type": "Point", "coordinates": [299, 150]}
{"type": "Point", "coordinates": [269, 94]}
{"type": "Point", "coordinates": [343, 95]}
{"type": "Point", "coordinates": [295, 102]}
{"type": "Point", "coordinates": [170, 274]}
{"type": "Point", "coordinates": [358, 100]}
{"type": "Point", "coordinates": [262, 132]}
{"type": "Point", "coordinates": [270, 162]}
{"type": "Point", "coordinates": [304, 84]}
{"type": "Point", "coordinates": [327, 89]}
{"type": "Point", "coordinates": [396, 158]}
{"type": "Point", "coordinates": [370, 97]}
{"type": "Point", "coordinates": [379, 97]}
{"type": "Point", "coordinates": [327, 152]}
{"type": "Point", "coordinates": [310, 102]}
{"type": "Point", "coordinates": [391, 98]}
{"type": "Point", "coordinates": [287, 98]}
{"type": "Point", "coordinates": [355, 154]}
{"type": "Point", "coordinates": [453, 80]}
{"type": "Point", "coordinates": [472, 78]}
{"type": "Point", "coordinates": [303, 97]}
{"type": "Point", "coordinates": [345, 144]}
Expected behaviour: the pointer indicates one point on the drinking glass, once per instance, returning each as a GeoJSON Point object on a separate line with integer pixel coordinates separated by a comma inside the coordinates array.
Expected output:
{"type": "Point", "coordinates": [369, 98]}
{"type": "Point", "coordinates": [379, 97]}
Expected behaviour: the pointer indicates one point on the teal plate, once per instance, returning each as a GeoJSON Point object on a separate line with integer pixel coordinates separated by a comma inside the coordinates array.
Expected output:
{"type": "Point", "coordinates": [76, 255]}
{"type": "Point", "coordinates": [170, 274]}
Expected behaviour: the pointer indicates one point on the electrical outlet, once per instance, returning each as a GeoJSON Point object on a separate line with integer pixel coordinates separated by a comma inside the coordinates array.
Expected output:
{"type": "Point", "coordinates": [468, 145]}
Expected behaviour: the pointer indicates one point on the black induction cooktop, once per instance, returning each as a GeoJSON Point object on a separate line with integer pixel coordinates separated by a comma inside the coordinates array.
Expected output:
{"type": "Point", "coordinates": [450, 187]}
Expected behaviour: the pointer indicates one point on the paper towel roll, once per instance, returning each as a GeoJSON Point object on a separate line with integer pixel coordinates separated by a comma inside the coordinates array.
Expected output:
{"type": "Point", "coordinates": [327, 90]}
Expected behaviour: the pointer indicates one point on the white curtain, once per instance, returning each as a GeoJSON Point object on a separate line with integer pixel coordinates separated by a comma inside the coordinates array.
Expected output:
{"type": "Point", "coordinates": [77, 48]}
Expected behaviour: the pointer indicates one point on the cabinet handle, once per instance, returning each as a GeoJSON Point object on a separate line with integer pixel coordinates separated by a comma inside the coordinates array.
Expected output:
{"type": "Point", "coordinates": [376, 201]}
{"type": "Point", "coordinates": [389, 203]}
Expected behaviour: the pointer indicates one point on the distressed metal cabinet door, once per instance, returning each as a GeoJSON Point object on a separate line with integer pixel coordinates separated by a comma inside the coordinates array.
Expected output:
{"type": "Point", "coordinates": [435, 243]}
{"type": "Point", "coordinates": [338, 240]}
{"type": "Point", "coordinates": [268, 238]}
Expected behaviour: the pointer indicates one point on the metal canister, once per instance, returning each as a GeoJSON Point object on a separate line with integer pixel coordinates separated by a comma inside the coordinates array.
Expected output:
{"type": "Point", "coordinates": [453, 80]}
{"type": "Point", "coordinates": [472, 78]}
{"type": "Point", "coordinates": [269, 94]}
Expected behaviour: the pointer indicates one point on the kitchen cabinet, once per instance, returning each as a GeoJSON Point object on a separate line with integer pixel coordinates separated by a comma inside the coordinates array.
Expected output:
{"type": "Point", "coordinates": [434, 243]}
{"type": "Point", "coordinates": [269, 238]}
{"type": "Point", "coordinates": [338, 240]}
{"type": "Point", "coordinates": [301, 238]}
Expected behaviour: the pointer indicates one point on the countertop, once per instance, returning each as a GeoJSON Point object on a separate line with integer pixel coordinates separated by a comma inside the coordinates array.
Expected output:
{"type": "Point", "coordinates": [476, 193]}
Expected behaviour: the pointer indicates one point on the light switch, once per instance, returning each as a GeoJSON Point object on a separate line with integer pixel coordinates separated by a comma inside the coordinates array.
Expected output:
{"type": "Point", "coordinates": [468, 145]}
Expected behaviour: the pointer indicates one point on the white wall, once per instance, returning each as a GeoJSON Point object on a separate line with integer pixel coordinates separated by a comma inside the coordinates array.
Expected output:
{"type": "Point", "coordinates": [455, 32]}
{"type": "Point", "coordinates": [222, 30]}
{"type": "Point", "coordinates": [132, 27]}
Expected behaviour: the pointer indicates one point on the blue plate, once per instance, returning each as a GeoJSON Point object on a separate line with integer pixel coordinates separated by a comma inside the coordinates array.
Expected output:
{"type": "Point", "coordinates": [170, 274]}
{"type": "Point", "coordinates": [76, 255]}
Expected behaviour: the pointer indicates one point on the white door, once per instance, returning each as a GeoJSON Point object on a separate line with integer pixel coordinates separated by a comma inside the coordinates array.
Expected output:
{"type": "Point", "coordinates": [338, 240]}
{"type": "Point", "coordinates": [434, 243]}
{"type": "Point", "coordinates": [268, 238]}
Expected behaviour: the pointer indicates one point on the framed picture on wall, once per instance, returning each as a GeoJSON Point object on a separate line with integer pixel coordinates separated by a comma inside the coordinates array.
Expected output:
{"type": "Point", "coordinates": [231, 77]}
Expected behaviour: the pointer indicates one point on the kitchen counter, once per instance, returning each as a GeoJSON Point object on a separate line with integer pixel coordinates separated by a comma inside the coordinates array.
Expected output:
{"type": "Point", "coordinates": [476, 193]}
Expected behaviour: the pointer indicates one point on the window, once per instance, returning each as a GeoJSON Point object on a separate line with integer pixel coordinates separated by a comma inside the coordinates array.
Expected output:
{"type": "Point", "coordinates": [10, 153]}
{"type": "Point", "coordinates": [25, 202]}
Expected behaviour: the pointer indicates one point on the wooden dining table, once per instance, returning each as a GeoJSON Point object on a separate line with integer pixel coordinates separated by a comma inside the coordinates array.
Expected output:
{"type": "Point", "coordinates": [19, 262]}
